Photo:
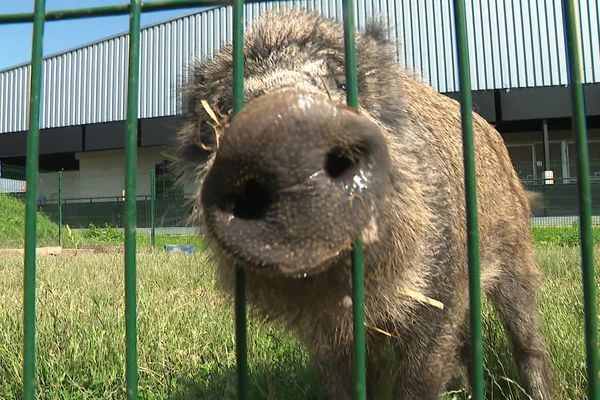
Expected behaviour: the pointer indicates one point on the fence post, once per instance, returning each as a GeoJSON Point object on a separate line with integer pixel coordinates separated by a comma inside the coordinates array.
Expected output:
{"type": "Point", "coordinates": [153, 207]}
{"type": "Point", "coordinates": [573, 39]}
{"type": "Point", "coordinates": [60, 208]}
{"type": "Point", "coordinates": [131, 365]}
{"type": "Point", "coordinates": [466, 112]}
{"type": "Point", "coordinates": [241, 329]}
{"type": "Point", "coordinates": [33, 145]}
{"type": "Point", "coordinates": [358, 284]}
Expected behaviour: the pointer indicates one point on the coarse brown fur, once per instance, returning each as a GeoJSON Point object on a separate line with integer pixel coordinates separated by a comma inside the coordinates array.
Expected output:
{"type": "Point", "coordinates": [417, 237]}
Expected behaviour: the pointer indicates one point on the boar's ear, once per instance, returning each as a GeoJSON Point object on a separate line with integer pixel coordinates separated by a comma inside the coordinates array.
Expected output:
{"type": "Point", "coordinates": [377, 30]}
{"type": "Point", "coordinates": [535, 200]}
{"type": "Point", "coordinates": [196, 137]}
{"type": "Point", "coordinates": [193, 149]}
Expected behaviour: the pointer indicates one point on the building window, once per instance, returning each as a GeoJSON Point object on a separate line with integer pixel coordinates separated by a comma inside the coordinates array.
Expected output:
{"type": "Point", "coordinates": [528, 160]}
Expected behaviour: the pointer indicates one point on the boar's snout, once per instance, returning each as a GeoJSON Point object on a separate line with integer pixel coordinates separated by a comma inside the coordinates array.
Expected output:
{"type": "Point", "coordinates": [295, 179]}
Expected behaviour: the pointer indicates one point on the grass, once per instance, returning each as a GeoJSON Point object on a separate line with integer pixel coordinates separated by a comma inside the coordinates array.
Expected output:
{"type": "Point", "coordinates": [566, 236]}
{"type": "Point", "coordinates": [186, 339]}
{"type": "Point", "coordinates": [561, 309]}
{"type": "Point", "coordinates": [13, 221]}
{"type": "Point", "coordinates": [100, 237]}
{"type": "Point", "coordinates": [186, 345]}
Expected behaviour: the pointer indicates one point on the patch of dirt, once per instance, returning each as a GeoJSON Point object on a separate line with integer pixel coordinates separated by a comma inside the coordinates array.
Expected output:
{"type": "Point", "coordinates": [49, 251]}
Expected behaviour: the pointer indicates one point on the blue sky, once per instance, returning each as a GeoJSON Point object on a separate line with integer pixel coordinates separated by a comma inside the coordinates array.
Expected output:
{"type": "Point", "coordinates": [15, 39]}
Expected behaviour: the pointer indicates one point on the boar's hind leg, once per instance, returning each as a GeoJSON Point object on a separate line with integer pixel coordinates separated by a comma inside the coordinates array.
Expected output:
{"type": "Point", "coordinates": [514, 298]}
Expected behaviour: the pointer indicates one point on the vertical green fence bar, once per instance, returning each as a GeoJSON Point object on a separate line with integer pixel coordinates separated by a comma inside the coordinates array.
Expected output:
{"type": "Point", "coordinates": [573, 37]}
{"type": "Point", "coordinates": [33, 145]}
{"type": "Point", "coordinates": [130, 205]}
{"type": "Point", "coordinates": [241, 330]}
{"type": "Point", "coordinates": [358, 309]}
{"type": "Point", "coordinates": [466, 111]}
{"type": "Point", "coordinates": [60, 208]}
{"type": "Point", "coordinates": [153, 207]}
{"type": "Point", "coordinates": [358, 285]}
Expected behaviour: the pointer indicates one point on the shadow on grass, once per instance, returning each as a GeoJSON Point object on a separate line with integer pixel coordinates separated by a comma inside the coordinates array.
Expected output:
{"type": "Point", "coordinates": [272, 382]}
{"type": "Point", "coordinates": [269, 383]}
{"type": "Point", "coordinates": [294, 378]}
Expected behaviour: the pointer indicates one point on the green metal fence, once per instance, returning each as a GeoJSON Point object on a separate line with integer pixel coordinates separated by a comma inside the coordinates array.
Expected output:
{"type": "Point", "coordinates": [166, 207]}
{"type": "Point", "coordinates": [39, 16]}
{"type": "Point", "coordinates": [585, 198]}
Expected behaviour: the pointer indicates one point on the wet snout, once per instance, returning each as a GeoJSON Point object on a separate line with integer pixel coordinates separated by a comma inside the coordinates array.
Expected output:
{"type": "Point", "coordinates": [294, 181]}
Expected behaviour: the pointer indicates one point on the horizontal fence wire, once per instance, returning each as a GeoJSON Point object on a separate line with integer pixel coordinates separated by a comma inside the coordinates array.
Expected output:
{"type": "Point", "coordinates": [585, 198]}
{"type": "Point", "coordinates": [106, 11]}
{"type": "Point", "coordinates": [117, 9]}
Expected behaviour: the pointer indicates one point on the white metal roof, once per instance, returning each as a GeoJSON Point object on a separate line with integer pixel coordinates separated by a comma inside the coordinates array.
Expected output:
{"type": "Point", "coordinates": [513, 44]}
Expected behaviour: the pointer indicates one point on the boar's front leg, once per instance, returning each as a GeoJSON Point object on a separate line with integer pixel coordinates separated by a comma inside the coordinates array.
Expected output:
{"type": "Point", "coordinates": [514, 299]}
{"type": "Point", "coordinates": [406, 367]}
{"type": "Point", "coordinates": [428, 364]}
{"type": "Point", "coordinates": [336, 374]}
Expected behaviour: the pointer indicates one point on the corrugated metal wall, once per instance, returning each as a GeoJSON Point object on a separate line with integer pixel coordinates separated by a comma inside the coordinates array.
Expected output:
{"type": "Point", "coordinates": [513, 44]}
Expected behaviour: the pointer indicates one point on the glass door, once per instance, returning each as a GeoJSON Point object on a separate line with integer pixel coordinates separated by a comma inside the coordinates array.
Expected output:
{"type": "Point", "coordinates": [594, 155]}
{"type": "Point", "coordinates": [523, 159]}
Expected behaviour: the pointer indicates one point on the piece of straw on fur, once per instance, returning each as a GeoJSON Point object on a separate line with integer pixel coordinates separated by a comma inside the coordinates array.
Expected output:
{"type": "Point", "coordinates": [422, 298]}
{"type": "Point", "coordinates": [210, 112]}
{"type": "Point", "coordinates": [415, 295]}
{"type": "Point", "coordinates": [218, 124]}
{"type": "Point", "coordinates": [379, 330]}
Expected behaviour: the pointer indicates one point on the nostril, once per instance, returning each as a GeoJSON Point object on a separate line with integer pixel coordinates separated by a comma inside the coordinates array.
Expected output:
{"type": "Point", "coordinates": [341, 162]}
{"type": "Point", "coordinates": [251, 203]}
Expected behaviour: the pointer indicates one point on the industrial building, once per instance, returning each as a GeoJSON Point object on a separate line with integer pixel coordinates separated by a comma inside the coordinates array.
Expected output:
{"type": "Point", "coordinates": [518, 68]}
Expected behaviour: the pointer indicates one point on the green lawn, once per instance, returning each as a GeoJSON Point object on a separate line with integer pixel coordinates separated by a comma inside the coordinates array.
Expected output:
{"type": "Point", "coordinates": [12, 223]}
{"type": "Point", "coordinates": [186, 340]}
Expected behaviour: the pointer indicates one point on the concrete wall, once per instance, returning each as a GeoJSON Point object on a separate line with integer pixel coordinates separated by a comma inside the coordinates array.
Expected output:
{"type": "Point", "coordinates": [101, 174]}
{"type": "Point", "coordinates": [545, 102]}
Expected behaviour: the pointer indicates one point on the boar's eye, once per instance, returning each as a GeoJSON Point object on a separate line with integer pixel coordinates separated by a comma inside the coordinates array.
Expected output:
{"type": "Point", "coordinates": [337, 75]}
{"type": "Point", "coordinates": [220, 105]}
{"type": "Point", "coordinates": [194, 147]}
{"type": "Point", "coordinates": [340, 82]}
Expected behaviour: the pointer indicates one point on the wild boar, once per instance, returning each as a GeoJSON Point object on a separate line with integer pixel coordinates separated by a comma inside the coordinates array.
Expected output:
{"type": "Point", "coordinates": [285, 186]}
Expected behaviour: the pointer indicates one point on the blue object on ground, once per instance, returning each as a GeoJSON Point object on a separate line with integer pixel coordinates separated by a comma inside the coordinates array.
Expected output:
{"type": "Point", "coordinates": [175, 248]}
